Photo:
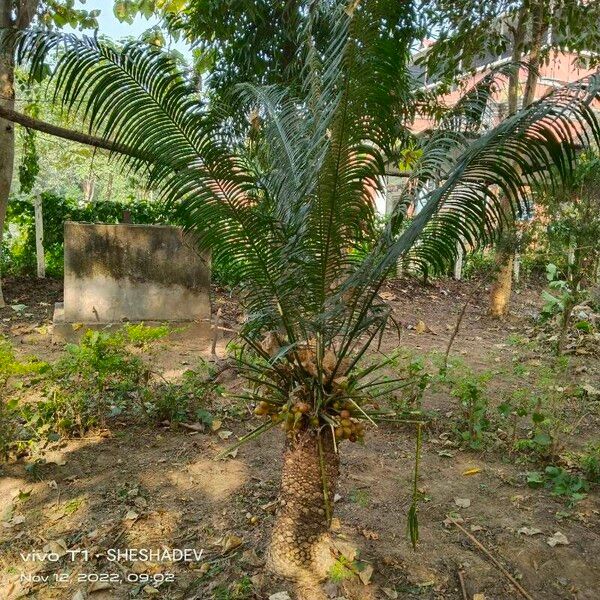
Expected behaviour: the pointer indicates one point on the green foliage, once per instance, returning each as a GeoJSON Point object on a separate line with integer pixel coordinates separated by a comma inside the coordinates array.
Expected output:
{"type": "Point", "coordinates": [574, 232]}
{"type": "Point", "coordinates": [557, 302]}
{"type": "Point", "coordinates": [470, 390]}
{"type": "Point", "coordinates": [176, 402]}
{"type": "Point", "coordinates": [478, 264]}
{"type": "Point", "coordinates": [11, 367]}
{"type": "Point", "coordinates": [341, 570]}
{"type": "Point", "coordinates": [101, 378]}
{"type": "Point", "coordinates": [589, 462]}
{"type": "Point", "coordinates": [239, 590]}
{"type": "Point", "coordinates": [19, 256]}
{"type": "Point", "coordinates": [562, 483]}
{"type": "Point", "coordinates": [142, 335]}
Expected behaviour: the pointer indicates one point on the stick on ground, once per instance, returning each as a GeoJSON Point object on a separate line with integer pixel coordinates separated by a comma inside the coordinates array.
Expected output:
{"type": "Point", "coordinates": [481, 547]}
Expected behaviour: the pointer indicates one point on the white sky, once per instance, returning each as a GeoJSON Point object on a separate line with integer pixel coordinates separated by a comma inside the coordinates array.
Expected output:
{"type": "Point", "coordinates": [110, 26]}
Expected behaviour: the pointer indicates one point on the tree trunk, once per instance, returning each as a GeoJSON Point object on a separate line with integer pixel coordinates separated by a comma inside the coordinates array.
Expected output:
{"type": "Point", "coordinates": [458, 263]}
{"type": "Point", "coordinates": [7, 129]}
{"type": "Point", "coordinates": [39, 236]}
{"type": "Point", "coordinates": [502, 286]}
{"type": "Point", "coordinates": [300, 549]}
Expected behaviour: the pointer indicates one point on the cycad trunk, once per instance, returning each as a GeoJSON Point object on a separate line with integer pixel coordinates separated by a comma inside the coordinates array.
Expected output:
{"type": "Point", "coordinates": [300, 548]}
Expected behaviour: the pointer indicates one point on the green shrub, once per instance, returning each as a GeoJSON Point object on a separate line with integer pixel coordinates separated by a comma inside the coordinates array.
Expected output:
{"type": "Point", "coordinates": [19, 250]}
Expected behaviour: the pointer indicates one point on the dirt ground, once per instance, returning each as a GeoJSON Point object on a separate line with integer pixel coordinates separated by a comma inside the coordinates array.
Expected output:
{"type": "Point", "coordinates": [160, 488]}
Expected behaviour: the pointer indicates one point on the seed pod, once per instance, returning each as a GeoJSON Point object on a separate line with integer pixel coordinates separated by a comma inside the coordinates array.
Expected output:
{"type": "Point", "coordinates": [345, 414]}
{"type": "Point", "coordinates": [314, 421]}
{"type": "Point", "coordinates": [346, 423]}
{"type": "Point", "coordinates": [339, 433]}
{"type": "Point", "coordinates": [302, 407]}
{"type": "Point", "coordinates": [352, 438]}
{"type": "Point", "coordinates": [347, 432]}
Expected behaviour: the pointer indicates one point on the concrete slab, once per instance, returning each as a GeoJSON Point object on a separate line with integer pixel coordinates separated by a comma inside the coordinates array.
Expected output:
{"type": "Point", "coordinates": [132, 273]}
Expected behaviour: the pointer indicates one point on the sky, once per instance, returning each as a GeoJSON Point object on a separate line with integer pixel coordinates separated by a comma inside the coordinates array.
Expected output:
{"type": "Point", "coordinates": [110, 26]}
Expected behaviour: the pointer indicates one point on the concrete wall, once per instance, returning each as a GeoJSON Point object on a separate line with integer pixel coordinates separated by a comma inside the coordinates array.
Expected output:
{"type": "Point", "coordinates": [116, 273]}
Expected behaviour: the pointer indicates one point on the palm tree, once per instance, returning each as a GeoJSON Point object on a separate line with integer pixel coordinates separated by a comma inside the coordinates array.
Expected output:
{"type": "Point", "coordinates": [289, 208]}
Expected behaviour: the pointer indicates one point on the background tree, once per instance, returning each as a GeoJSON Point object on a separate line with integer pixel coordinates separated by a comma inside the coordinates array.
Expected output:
{"type": "Point", "coordinates": [289, 210]}
{"type": "Point", "coordinates": [470, 33]}
{"type": "Point", "coordinates": [574, 235]}
{"type": "Point", "coordinates": [18, 15]}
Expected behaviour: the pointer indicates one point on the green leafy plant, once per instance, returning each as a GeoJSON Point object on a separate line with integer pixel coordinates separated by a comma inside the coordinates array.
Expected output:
{"type": "Point", "coordinates": [574, 229]}
{"type": "Point", "coordinates": [470, 390]}
{"type": "Point", "coordinates": [562, 483]}
{"type": "Point", "coordinates": [98, 379]}
{"type": "Point", "coordinates": [186, 400]}
{"type": "Point", "coordinates": [589, 462]}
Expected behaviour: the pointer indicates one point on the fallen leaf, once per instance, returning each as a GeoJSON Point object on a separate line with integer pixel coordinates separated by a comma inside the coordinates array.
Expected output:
{"type": "Point", "coordinates": [478, 596]}
{"type": "Point", "coordinates": [558, 539]}
{"type": "Point", "coordinates": [230, 542]}
{"type": "Point", "coordinates": [249, 557]}
{"type": "Point", "coordinates": [280, 596]}
{"type": "Point", "coordinates": [346, 549]}
{"type": "Point", "coordinates": [455, 518]}
{"type": "Point", "coordinates": [590, 390]}
{"type": "Point", "coordinates": [472, 471]}
{"type": "Point", "coordinates": [390, 593]}
{"type": "Point", "coordinates": [224, 435]}
{"type": "Point", "coordinates": [199, 427]}
{"type": "Point", "coordinates": [98, 586]}
{"type": "Point", "coordinates": [446, 453]}
{"type": "Point", "coordinates": [529, 531]}
{"type": "Point", "coordinates": [58, 547]}
{"type": "Point", "coordinates": [462, 502]}
{"type": "Point", "coordinates": [16, 520]}
{"type": "Point", "coordinates": [475, 528]}
{"type": "Point", "coordinates": [370, 535]}
{"type": "Point", "coordinates": [151, 591]}
{"type": "Point", "coordinates": [131, 515]}
{"type": "Point", "coordinates": [140, 502]}
{"type": "Point", "coordinates": [78, 595]}
{"type": "Point", "coordinates": [216, 425]}
{"type": "Point", "coordinates": [420, 327]}
{"type": "Point", "coordinates": [366, 574]}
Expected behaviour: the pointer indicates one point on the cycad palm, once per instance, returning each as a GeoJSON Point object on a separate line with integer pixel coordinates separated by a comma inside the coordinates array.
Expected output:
{"type": "Point", "coordinates": [288, 207]}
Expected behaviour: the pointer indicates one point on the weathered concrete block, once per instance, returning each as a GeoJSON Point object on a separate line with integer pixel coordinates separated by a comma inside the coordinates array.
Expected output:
{"type": "Point", "coordinates": [116, 273]}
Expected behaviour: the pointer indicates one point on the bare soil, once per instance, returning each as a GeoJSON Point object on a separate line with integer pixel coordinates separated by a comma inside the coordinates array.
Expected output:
{"type": "Point", "coordinates": [160, 488]}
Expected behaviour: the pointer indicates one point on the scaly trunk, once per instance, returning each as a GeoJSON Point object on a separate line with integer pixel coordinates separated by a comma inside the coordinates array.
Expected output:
{"type": "Point", "coordinates": [7, 129]}
{"type": "Point", "coordinates": [300, 548]}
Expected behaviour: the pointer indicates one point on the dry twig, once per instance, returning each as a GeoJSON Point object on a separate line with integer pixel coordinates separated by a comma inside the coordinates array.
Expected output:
{"type": "Point", "coordinates": [481, 547]}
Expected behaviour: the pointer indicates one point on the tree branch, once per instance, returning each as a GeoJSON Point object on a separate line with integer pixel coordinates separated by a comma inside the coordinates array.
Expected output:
{"type": "Point", "coordinates": [67, 134]}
